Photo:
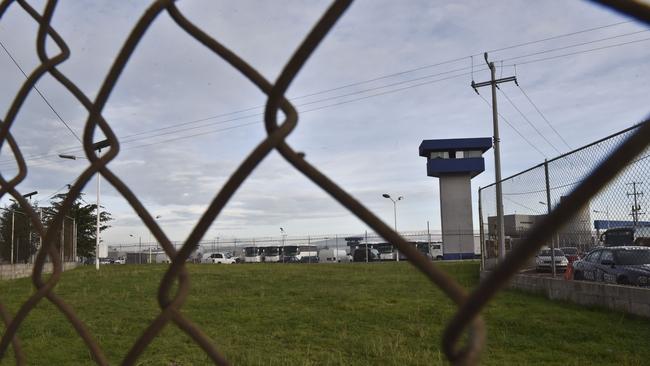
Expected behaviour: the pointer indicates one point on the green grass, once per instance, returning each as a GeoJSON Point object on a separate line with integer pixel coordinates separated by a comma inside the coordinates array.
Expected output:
{"type": "Point", "coordinates": [358, 314]}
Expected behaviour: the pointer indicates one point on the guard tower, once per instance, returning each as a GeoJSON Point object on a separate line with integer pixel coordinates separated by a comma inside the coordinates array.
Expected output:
{"type": "Point", "coordinates": [455, 162]}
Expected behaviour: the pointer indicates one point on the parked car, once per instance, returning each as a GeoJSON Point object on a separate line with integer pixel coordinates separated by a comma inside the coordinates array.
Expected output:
{"type": "Point", "coordinates": [120, 260]}
{"type": "Point", "coordinates": [105, 261]}
{"type": "Point", "coordinates": [543, 260]}
{"type": "Point", "coordinates": [626, 265]}
{"type": "Point", "coordinates": [218, 258]}
{"type": "Point", "coordinates": [571, 253]}
{"type": "Point", "coordinates": [360, 255]}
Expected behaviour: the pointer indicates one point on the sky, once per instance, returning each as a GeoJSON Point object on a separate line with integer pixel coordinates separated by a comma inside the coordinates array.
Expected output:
{"type": "Point", "coordinates": [380, 83]}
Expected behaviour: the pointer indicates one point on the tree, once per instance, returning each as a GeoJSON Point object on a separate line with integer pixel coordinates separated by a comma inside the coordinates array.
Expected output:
{"type": "Point", "coordinates": [85, 217]}
{"type": "Point", "coordinates": [15, 225]}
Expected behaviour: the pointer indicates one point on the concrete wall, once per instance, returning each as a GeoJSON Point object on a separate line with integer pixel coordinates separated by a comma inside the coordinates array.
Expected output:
{"type": "Point", "coordinates": [456, 215]}
{"type": "Point", "coordinates": [13, 271]}
{"type": "Point", "coordinates": [632, 300]}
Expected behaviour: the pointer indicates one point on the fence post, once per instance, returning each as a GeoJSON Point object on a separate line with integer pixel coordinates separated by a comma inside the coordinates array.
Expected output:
{"type": "Point", "coordinates": [63, 240]}
{"type": "Point", "coordinates": [13, 214]}
{"type": "Point", "coordinates": [480, 230]}
{"type": "Point", "coordinates": [548, 209]}
{"type": "Point", "coordinates": [74, 239]}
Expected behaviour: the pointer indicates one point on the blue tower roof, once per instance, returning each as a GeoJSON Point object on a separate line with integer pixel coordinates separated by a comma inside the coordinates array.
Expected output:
{"type": "Point", "coordinates": [478, 143]}
{"type": "Point", "coordinates": [455, 156]}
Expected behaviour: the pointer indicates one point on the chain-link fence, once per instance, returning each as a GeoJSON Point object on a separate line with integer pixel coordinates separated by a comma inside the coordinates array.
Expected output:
{"type": "Point", "coordinates": [465, 334]}
{"type": "Point", "coordinates": [529, 195]}
{"type": "Point", "coordinates": [428, 242]}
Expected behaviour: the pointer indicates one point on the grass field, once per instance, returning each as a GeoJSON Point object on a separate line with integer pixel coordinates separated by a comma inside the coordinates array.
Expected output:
{"type": "Point", "coordinates": [356, 314]}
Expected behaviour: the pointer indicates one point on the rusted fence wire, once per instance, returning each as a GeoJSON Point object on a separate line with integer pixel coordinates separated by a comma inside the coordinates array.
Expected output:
{"type": "Point", "coordinates": [171, 298]}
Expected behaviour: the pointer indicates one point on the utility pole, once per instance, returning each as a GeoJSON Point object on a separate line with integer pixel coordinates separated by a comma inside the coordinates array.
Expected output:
{"type": "Point", "coordinates": [497, 152]}
{"type": "Point", "coordinates": [636, 208]}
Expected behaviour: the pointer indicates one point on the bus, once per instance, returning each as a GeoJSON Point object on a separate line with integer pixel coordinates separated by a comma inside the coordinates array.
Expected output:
{"type": "Point", "coordinates": [252, 255]}
{"type": "Point", "coordinates": [271, 253]}
{"type": "Point", "coordinates": [301, 254]}
{"type": "Point", "coordinates": [386, 251]}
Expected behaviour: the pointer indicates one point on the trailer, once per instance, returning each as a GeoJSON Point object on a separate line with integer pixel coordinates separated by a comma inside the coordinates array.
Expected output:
{"type": "Point", "coordinates": [333, 255]}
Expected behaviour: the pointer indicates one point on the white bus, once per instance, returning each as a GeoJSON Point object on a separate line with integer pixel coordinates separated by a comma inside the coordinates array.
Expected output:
{"type": "Point", "coordinates": [386, 251]}
{"type": "Point", "coordinates": [252, 255]}
{"type": "Point", "coordinates": [271, 253]}
{"type": "Point", "coordinates": [301, 253]}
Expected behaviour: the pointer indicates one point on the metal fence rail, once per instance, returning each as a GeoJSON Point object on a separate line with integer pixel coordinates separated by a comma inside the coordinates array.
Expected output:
{"type": "Point", "coordinates": [466, 321]}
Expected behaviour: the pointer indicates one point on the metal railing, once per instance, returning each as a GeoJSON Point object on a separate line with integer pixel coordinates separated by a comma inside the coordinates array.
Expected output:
{"type": "Point", "coordinates": [467, 320]}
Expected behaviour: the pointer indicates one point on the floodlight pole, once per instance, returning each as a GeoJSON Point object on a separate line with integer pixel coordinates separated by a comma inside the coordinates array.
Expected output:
{"type": "Point", "coordinates": [386, 195]}
{"type": "Point", "coordinates": [13, 214]}
{"type": "Point", "coordinates": [97, 228]}
{"type": "Point", "coordinates": [98, 146]}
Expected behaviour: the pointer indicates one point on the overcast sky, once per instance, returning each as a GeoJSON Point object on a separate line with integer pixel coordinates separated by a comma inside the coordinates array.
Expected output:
{"type": "Point", "coordinates": [363, 136]}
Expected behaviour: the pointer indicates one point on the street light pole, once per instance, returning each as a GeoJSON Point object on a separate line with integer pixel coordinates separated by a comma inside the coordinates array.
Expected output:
{"type": "Point", "coordinates": [97, 228]}
{"type": "Point", "coordinates": [386, 195]}
{"type": "Point", "coordinates": [98, 146]}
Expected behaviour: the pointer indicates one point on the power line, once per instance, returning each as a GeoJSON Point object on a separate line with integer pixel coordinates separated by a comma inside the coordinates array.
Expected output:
{"type": "Point", "coordinates": [544, 118]}
{"type": "Point", "coordinates": [529, 122]}
{"type": "Point", "coordinates": [408, 71]}
{"type": "Point", "coordinates": [580, 52]}
{"type": "Point", "coordinates": [576, 45]}
{"type": "Point", "coordinates": [559, 36]}
{"type": "Point", "coordinates": [261, 114]}
{"type": "Point", "coordinates": [41, 94]}
{"type": "Point", "coordinates": [514, 128]}
{"type": "Point", "coordinates": [349, 94]}
{"type": "Point", "coordinates": [419, 68]}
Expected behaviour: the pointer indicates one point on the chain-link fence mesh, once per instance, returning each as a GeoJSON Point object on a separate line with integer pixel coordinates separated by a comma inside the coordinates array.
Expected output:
{"type": "Point", "coordinates": [528, 196]}
{"type": "Point", "coordinates": [464, 337]}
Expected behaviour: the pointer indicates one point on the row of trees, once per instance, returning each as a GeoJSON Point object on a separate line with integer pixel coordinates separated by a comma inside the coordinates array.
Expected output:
{"type": "Point", "coordinates": [15, 225]}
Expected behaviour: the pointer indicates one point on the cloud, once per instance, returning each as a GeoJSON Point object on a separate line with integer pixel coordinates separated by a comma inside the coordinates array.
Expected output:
{"type": "Point", "coordinates": [173, 87]}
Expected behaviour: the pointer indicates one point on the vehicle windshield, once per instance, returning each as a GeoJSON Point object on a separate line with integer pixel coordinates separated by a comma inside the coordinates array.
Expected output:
{"type": "Point", "coordinates": [385, 249]}
{"type": "Point", "coordinates": [291, 250]}
{"type": "Point", "coordinates": [570, 251]}
{"type": "Point", "coordinates": [251, 251]}
{"type": "Point", "coordinates": [633, 257]}
{"type": "Point", "coordinates": [228, 255]}
{"type": "Point", "coordinates": [272, 251]}
{"type": "Point", "coordinates": [547, 253]}
{"type": "Point", "coordinates": [423, 247]}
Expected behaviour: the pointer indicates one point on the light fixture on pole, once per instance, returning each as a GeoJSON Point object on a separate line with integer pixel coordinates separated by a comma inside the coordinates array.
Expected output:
{"type": "Point", "coordinates": [386, 195]}
{"type": "Point", "coordinates": [98, 146]}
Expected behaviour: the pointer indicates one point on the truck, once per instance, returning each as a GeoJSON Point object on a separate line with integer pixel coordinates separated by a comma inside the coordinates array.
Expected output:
{"type": "Point", "coordinates": [626, 236]}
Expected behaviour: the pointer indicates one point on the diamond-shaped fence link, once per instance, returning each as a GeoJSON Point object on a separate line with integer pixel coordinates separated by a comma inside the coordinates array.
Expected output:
{"type": "Point", "coordinates": [173, 290]}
